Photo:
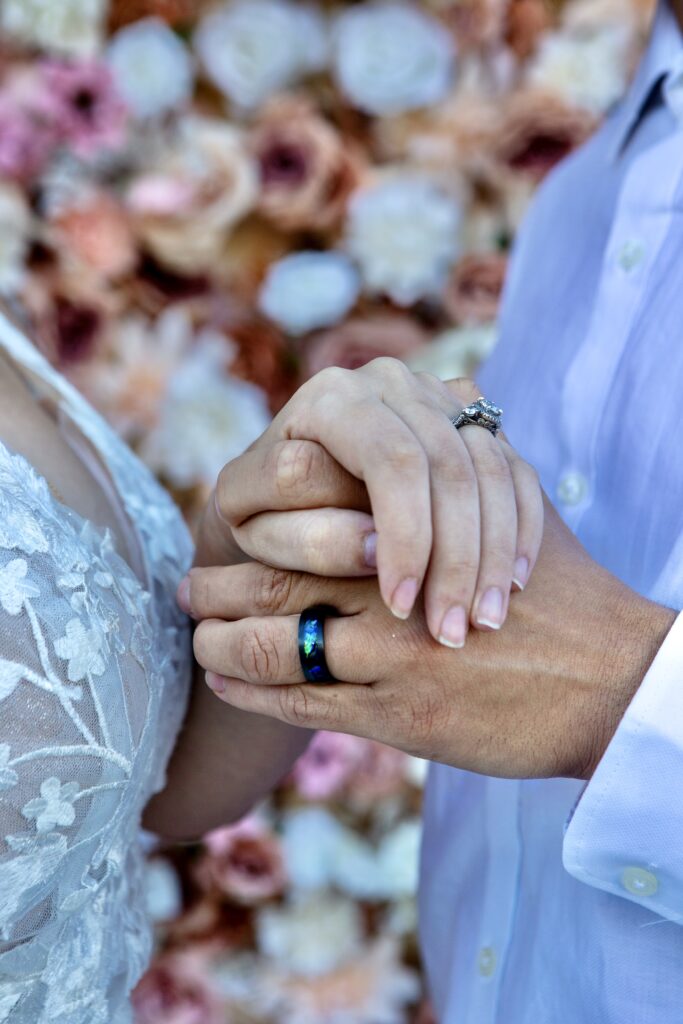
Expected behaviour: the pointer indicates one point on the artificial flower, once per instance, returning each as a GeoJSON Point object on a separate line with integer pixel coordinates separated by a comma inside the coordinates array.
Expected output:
{"type": "Point", "coordinates": [327, 764]}
{"type": "Point", "coordinates": [203, 183]}
{"type": "Point", "coordinates": [537, 129]}
{"type": "Point", "coordinates": [177, 990]}
{"type": "Point", "coordinates": [307, 170]}
{"type": "Point", "coordinates": [391, 57]}
{"type": "Point", "coordinates": [472, 295]}
{"type": "Point", "coordinates": [88, 113]}
{"type": "Point", "coordinates": [308, 290]}
{"type": "Point", "coordinates": [403, 234]}
{"type": "Point", "coordinates": [456, 352]}
{"type": "Point", "coordinates": [71, 28]}
{"type": "Point", "coordinates": [527, 23]}
{"type": "Point", "coordinates": [251, 49]}
{"type": "Point", "coordinates": [310, 937]}
{"type": "Point", "coordinates": [28, 138]}
{"type": "Point", "coordinates": [588, 71]}
{"type": "Point", "coordinates": [476, 24]}
{"type": "Point", "coordinates": [206, 418]}
{"type": "Point", "coordinates": [360, 339]}
{"type": "Point", "coordinates": [242, 861]}
{"type": "Point", "coordinates": [173, 12]}
{"type": "Point", "coordinates": [15, 228]}
{"type": "Point", "coordinates": [162, 890]}
{"type": "Point", "coordinates": [95, 234]}
{"type": "Point", "coordinates": [152, 68]}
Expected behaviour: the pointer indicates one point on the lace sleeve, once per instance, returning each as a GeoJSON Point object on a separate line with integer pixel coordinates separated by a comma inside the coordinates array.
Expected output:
{"type": "Point", "coordinates": [74, 698]}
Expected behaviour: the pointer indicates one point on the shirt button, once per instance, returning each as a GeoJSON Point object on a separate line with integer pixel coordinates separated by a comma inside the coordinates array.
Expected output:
{"type": "Point", "coordinates": [631, 255]}
{"type": "Point", "coordinates": [572, 488]}
{"type": "Point", "coordinates": [639, 882]}
{"type": "Point", "coordinates": [486, 964]}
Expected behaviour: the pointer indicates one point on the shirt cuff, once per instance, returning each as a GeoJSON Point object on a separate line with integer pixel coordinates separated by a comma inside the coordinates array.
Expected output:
{"type": "Point", "coordinates": [626, 833]}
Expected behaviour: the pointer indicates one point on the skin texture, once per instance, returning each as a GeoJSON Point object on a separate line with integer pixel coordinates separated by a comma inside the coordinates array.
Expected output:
{"type": "Point", "coordinates": [542, 698]}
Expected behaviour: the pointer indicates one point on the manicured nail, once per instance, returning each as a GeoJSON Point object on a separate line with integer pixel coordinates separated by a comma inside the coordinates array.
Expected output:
{"type": "Point", "coordinates": [520, 576]}
{"type": "Point", "coordinates": [215, 682]}
{"type": "Point", "coordinates": [370, 551]}
{"type": "Point", "coordinates": [183, 595]}
{"type": "Point", "coordinates": [490, 610]}
{"type": "Point", "coordinates": [404, 598]}
{"type": "Point", "coordinates": [454, 628]}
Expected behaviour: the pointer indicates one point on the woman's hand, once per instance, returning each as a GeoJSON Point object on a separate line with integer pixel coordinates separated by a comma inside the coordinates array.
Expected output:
{"type": "Point", "coordinates": [363, 472]}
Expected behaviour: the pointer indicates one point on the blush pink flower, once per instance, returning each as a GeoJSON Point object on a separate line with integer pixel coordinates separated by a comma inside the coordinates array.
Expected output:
{"type": "Point", "coordinates": [473, 293]}
{"type": "Point", "coordinates": [97, 235]}
{"type": "Point", "coordinates": [362, 338]}
{"type": "Point", "coordinates": [27, 135]}
{"type": "Point", "coordinates": [177, 990]}
{"type": "Point", "coordinates": [243, 861]}
{"type": "Point", "coordinates": [89, 114]}
{"type": "Point", "coordinates": [327, 765]}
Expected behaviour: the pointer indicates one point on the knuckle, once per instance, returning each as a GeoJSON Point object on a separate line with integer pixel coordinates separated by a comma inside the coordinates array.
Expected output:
{"type": "Point", "coordinates": [271, 590]}
{"type": "Point", "coordinates": [294, 705]}
{"type": "Point", "coordinates": [389, 368]}
{"type": "Point", "coordinates": [258, 656]}
{"type": "Point", "coordinates": [405, 457]}
{"type": "Point", "coordinates": [330, 379]}
{"type": "Point", "coordinates": [296, 463]}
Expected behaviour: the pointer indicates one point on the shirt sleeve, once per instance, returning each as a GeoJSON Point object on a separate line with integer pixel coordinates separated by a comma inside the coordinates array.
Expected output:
{"type": "Point", "coordinates": [626, 832]}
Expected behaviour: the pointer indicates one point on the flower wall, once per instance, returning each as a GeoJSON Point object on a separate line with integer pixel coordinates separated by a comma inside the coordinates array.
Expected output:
{"type": "Point", "coordinates": [201, 204]}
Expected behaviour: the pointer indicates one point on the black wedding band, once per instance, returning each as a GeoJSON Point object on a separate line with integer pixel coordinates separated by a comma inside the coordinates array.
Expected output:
{"type": "Point", "coordinates": [312, 643]}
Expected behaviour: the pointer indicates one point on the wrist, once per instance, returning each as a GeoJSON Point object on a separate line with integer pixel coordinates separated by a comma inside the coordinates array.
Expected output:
{"type": "Point", "coordinates": [639, 628]}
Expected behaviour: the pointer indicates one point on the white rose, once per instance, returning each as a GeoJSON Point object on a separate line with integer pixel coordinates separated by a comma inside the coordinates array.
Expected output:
{"type": "Point", "coordinates": [207, 418]}
{"type": "Point", "coordinates": [308, 290]}
{"type": "Point", "coordinates": [398, 859]}
{"type": "Point", "coordinates": [312, 936]}
{"type": "Point", "coordinates": [14, 237]}
{"type": "Point", "coordinates": [403, 233]}
{"type": "Point", "coordinates": [457, 352]}
{"type": "Point", "coordinates": [254, 48]}
{"type": "Point", "coordinates": [70, 28]}
{"type": "Point", "coordinates": [392, 57]}
{"type": "Point", "coordinates": [588, 70]}
{"type": "Point", "coordinates": [151, 67]}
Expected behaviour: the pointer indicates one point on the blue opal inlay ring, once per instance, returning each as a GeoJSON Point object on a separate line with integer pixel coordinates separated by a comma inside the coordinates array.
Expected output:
{"type": "Point", "coordinates": [312, 643]}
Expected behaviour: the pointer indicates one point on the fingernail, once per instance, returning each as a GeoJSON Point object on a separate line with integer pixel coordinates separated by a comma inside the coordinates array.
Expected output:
{"type": "Point", "coordinates": [183, 595]}
{"type": "Point", "coordinates": [215, 682]}
{"type": "Point", "coordinates": [404, 598]}
{"type": "Point", "coordinates": [454, 628]}
{"type": "Point", "coordinates": [370, 551]}
{"type": "Point", "coordinates": [520, 576]}
{"type": "Point", "coordinates": [490, 610]}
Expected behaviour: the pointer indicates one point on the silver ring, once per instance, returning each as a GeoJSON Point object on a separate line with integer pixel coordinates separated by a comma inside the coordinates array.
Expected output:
{"type": "Point", "coordinates": [481, 413]}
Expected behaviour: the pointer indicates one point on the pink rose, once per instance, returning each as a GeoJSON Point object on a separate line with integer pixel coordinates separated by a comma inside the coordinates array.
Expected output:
{"type": "Point", "coordinates": [243, 861]}
{"type": "Point", "coordinates": [28, 135]}
{"type": "Point", "coordinates": [96, 233]}
{"type": "Point", "coordinates": [362, 338]}
{"type": "Point", "coordinates": [473, 293]}
{"type": "Point", "coordinates": [537, 130]}
{"type": "Point", "coordinates": [88, 114]}
{"type": "Point", "coordinates": [177, 990]}
{"type": "Point", "coordinates": [327, 765]}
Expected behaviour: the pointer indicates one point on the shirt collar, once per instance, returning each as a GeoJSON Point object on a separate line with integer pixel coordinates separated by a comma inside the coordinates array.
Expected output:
{"type": "Point", "coordinates": [663, 53]}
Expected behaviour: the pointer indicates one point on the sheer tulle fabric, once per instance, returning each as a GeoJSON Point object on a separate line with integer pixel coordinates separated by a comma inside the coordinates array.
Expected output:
{"type": "Point", "coordinates": [94, 674]}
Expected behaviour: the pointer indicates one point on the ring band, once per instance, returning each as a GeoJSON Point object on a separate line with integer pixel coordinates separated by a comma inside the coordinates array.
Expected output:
{"type": "Point", "coordinates": [312, 643]}
{"type": "Point", "coordinates": [481, 413]}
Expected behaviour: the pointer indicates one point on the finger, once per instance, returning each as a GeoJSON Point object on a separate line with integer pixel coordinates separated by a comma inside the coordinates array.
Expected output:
{"type": "Point", "coordinates": [266, 651]}
{"type": "Point", "coordinates": [326, 541]}
{"type": "Point", "coordinates": [426, 407]}
{"type": "Point", "coordinates": [252, 589]}
{"type": "Point", "coordinates": [498, 527]}
{"type": "Point", "coordinates": [376, 446]}
{"type": "Point", "coordinates": [344, 708]}
{"type": "Point", "coordinates": [285, 475]}
{"type": "Point", "coordinates": [530, 518]}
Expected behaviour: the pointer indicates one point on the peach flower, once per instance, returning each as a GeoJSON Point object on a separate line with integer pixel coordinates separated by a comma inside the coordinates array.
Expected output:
{"type": "Point", "coordinates": [537, 129]}
{"type": "Point", "coordinates": [362, 338]}
{"type": "Point", "coordinates": [473, 293]}
{"type": "Point", "coordinates": [204, 183]}
{"type": "Point", "coordinates": [177, 990]}
{"type": "Point", "coordinates": [476, 24]}
{"type": "Point", "coordinates": [96, 234]}
{"type": "Point", "coordinates": [307, 170]}
{"type": "Point", "coordinates": [243, 861]}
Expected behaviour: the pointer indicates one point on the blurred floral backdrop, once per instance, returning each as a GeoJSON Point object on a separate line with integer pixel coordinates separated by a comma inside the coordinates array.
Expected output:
{"type": "Point", "coordinates": [201, 204]}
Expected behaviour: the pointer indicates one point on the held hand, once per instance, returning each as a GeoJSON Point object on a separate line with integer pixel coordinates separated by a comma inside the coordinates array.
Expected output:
{"type": "Point", "coordinates": [542, 698]}
{"type": "Point", "coordinates": [456, 512]}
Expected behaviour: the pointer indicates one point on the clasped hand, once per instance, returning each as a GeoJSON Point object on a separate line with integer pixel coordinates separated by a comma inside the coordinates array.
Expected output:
{"type": "Point", "coordinates": [457, 517]}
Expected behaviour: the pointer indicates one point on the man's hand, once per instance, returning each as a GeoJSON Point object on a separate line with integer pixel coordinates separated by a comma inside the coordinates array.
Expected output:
{"type": "Point", "coordinates": [541, 698]}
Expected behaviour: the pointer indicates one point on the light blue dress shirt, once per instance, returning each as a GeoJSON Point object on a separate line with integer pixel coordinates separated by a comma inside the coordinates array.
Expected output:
{"type": "Point", "coordinates": [526, 919]}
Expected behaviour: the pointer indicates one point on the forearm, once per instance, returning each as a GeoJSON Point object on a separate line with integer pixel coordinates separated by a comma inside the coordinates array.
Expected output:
{"type": "Point", "coordinates": [225, 761]}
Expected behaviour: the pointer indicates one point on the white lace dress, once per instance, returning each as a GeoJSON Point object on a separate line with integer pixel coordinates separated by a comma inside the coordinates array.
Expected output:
{"type": "Point", "coordinates": [94, 675]}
